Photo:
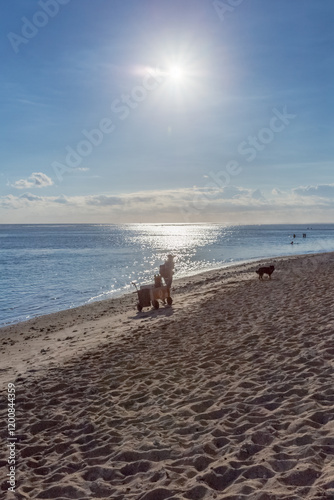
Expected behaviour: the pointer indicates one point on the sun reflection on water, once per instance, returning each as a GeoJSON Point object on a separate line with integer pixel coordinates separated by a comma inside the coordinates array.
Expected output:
{"type": "Point", "coordinates": [175, 236]}
{"type": "Point", "coordinates": [184, 241]}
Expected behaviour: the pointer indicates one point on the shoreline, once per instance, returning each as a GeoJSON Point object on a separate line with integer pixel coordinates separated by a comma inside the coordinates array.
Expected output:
{"type": "Point", "coordinates": [123, 295]}
{"type": "Point", "coordinates": [226, 394]}
{"type": "Point", "coordinates": [52, 316]}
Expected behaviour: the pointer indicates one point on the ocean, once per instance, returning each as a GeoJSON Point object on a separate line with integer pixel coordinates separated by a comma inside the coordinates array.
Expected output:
{"type": "Point", "coordinates": [48, 268]}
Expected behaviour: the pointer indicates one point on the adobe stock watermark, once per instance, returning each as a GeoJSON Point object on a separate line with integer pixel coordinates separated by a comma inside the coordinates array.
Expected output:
{"type": "Point", "coordinates": [249, 148]}
{"type": "Point", "coordinates": [93, 138]}
{"type": "Point", "coordinates": [226, 7]}
{"type": "Point", "coordinates": [30, 27]}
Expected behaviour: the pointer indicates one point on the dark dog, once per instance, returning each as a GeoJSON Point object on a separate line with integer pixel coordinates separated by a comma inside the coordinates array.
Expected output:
{"type": "Point", "coordinates": [265, 270]}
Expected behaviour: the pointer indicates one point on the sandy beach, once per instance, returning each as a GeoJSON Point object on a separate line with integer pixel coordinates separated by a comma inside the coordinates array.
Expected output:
{"type": "Point", "coordinates": [228, 394]}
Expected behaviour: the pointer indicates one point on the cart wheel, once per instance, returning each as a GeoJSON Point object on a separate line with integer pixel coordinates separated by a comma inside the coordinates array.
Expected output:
{"type": "Point", "coordinates": [139, 307]}
{"type": "Point", "coordinates": [155, 304]}
{"type": "Point", "coordinates": [169, 301]}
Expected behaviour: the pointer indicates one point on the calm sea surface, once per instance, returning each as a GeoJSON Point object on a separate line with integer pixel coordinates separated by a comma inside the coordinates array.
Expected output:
{"type": "Point", "coordinates": [47, 268]}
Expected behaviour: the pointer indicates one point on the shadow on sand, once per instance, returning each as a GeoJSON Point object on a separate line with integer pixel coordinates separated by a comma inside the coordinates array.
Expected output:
{"type": "Point", "coordinates": [155, 313]}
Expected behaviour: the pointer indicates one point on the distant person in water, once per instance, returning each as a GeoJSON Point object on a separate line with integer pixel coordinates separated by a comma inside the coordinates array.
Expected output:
{"type": "Point", "coordinates": [167, 270]}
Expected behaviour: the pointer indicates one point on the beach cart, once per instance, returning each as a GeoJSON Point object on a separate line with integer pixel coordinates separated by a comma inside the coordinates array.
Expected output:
{"type": "Point", "coordinates": [151, 294]}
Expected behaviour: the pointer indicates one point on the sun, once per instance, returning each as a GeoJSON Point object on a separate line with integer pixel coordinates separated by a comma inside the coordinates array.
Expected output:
{"type": "Point", "coordinates": [176, 73]}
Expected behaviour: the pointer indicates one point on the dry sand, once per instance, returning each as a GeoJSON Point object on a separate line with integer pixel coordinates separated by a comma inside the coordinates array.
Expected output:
{"type": "Point", "coordinates": [228, 394]}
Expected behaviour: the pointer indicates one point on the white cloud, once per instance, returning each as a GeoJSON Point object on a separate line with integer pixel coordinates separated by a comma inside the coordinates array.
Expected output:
{"type": "Point", "coordinates": [258, 195]}
{"type": "Point", "coordinates": [104, 201]}
{"type": "Point", "coordinates": [30, 197]}
{"type": "Point", "coordinates": [321, 190]}
{"type": "Point", "coordinates": [36, 180]}
{"type": "Point", "coordinates": [61, 199]}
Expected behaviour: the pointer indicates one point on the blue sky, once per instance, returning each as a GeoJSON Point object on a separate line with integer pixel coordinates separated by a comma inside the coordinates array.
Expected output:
{"type": "Point", "coordinates": [167, 111]}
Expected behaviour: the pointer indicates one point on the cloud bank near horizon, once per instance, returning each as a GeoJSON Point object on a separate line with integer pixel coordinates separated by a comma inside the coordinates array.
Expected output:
{"type": "Point", "coordinates": [234, 204]}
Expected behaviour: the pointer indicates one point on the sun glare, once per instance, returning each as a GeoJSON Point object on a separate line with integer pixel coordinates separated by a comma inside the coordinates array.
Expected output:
{"type": "Point", "coordinates": [176, 73]}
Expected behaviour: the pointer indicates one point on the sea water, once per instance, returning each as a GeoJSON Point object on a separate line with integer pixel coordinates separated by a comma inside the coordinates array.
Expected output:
{"type": "Point", "coordinates": [48, 268]}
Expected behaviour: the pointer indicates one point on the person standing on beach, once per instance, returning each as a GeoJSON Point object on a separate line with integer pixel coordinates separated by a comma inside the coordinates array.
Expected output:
{"type": "Point", "coordinates": [168, 270]}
